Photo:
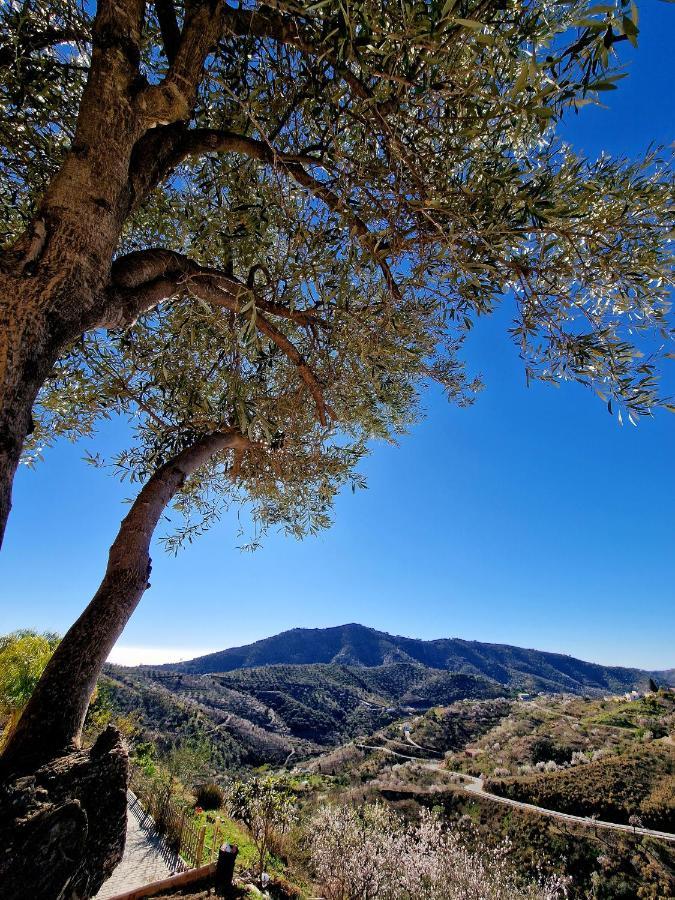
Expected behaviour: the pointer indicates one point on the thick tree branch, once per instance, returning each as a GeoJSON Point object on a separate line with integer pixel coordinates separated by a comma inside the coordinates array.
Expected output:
{"type": "Point", "coordinates": [168, 25]}
{"type": "Point", "coordinates": [211, 289]}
{"type": "Point", "coordinates": [52, 721]}
{"type": "Point", "coordinates": [204, 140]}
{"type": "Point", "coordinates": [198, 141]}
{"type": "Point", "coordinates": [39, 40]}
{"type": "Point", "coordinates": [174, 98]}
{"type": "Point", "coordinates": [145, 278]}
{"type": "Point", "coordinates": [142, 279]}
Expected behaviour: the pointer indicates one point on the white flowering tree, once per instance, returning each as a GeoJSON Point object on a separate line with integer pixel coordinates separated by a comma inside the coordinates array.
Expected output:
{"type": "Point", "coordinates": [370, 854]}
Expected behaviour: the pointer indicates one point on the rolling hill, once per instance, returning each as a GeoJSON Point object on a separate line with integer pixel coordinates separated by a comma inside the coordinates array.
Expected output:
{"type": "Point", "coordinates": [356, 646]}
{"type": "Point", "coordinates": [263, 714]}
{"type": "Point", "coordinates": [304, 691]}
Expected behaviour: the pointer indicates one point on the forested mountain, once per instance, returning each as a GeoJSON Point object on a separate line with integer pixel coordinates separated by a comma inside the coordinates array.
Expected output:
{"type": "Point", "coordinates": [306, 690]}
{"type": "Point", "coordinates": [357, 646]}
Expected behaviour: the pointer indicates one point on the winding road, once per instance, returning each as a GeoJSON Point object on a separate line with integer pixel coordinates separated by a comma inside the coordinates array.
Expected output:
{"type": "Point", "coordinates": [472, 785]}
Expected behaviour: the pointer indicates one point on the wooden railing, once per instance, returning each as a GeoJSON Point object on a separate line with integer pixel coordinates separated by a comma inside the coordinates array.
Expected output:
{"type": "Point", "coordinates": [190, 840]}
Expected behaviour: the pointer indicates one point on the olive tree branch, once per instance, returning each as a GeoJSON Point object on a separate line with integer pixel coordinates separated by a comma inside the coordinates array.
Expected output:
{"type": "Point", "coordinates": [143, 279]}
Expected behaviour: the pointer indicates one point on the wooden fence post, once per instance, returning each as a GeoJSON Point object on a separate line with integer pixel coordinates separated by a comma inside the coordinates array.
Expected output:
{"type": "Point", "coordinates": [181, 829]}
{"type": "Point", "coordinates": [213, 852]}
{"type": "Point", "coordinates": [199, 852]}
{"type": "Point", "coordinates": [227, 856]}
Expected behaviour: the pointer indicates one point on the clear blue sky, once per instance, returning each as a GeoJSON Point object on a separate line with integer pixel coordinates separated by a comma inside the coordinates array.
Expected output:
{"type": "Point", "coordinates": [532, 518]}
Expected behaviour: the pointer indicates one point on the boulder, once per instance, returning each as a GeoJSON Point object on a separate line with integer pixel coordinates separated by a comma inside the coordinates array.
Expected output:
{"type": "Point", "coordinates": [63, 827]}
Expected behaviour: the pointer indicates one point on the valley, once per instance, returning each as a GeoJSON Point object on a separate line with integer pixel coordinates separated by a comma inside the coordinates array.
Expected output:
{"type": "Point", "coordinates": [580, 783]}
{"type": "Point", "coordinates": [308, 690]}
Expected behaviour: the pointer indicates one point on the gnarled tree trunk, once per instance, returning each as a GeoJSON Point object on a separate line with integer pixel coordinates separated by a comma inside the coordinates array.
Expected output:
{"type": "Point", "coordinates": [51, 723]}
{"type": "Point", "coordinates": [52, 281]}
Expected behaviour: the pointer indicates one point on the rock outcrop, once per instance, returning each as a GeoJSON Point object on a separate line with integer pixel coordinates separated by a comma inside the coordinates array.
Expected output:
{"type": "Point", "coordinates": [63, 827]}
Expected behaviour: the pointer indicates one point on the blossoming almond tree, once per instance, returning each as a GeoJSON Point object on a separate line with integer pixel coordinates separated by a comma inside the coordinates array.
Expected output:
{"type": "Point", "coordinates": [370, 854]}
{"type": "Point", "coordinates": [424, 134]}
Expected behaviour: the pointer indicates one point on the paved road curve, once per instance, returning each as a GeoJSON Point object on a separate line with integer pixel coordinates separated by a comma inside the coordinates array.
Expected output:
{"type": "Point", "coordinates": [146, 856]}
{"type": "Point", "coordinates": [473, 785]}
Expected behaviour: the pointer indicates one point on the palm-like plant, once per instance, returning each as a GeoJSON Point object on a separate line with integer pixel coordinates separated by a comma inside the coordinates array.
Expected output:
{"type": "Point", "coordinates": [23, 657]}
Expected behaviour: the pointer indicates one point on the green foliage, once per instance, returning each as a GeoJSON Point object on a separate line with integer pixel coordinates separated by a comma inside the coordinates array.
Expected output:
{"type": "Point", "coordinates": [455, 726]}
{"type": "Point", "coordinates": [388, 662]}
{"type": "Point", "coordinates": [549, 732]}
{"type": "Point", "coordinates": [102, 712]}
{"type": "Point", "coordinates": [612, 789]}
{"type": "Point", "coordinates": [605, 865]}
{"type": "Point", "coordinates": [23, 657]}
{"type": "Point", "coordinates": [256, 714]}
{"type": "Point", "coordinates": [189, 760]}
{"type": "Point", "coordinates": [545, 750]}
{"type": "Point", "coordinates": [364, 214]}
{"type": "Point", "coordinates": [231, 832]}
{"type": "Point", "coordinates": [598, 863]}
{"type": "Point", "coordinates": [144, 757]}
{"type": "Point", "coordinates": [41, 82]}
{"type": "Point", "coordinates": [265, 806]}
{"type": "Point", "coordinates": [260, 715]}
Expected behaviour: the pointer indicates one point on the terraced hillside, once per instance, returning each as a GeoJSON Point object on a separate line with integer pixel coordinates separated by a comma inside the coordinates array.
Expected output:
{"type": "Point", "coordinates": [261, 715]}
{"type": "Point", "coordinates": [639, 783]}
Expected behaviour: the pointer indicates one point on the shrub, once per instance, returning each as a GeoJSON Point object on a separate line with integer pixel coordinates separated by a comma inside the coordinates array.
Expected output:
{"type": "Point", "coordinates": [612, 789]}
{"type": "Point", "coordinates": [369, 852]}
{"type": "Point", "coordinates": [282, 889]}
{"type": "Point", "coordinates": [544, 750]}
{"type": "Point", "coordinates": [209, 796]}
{"type": "Point", "coordinates": [265, 806]}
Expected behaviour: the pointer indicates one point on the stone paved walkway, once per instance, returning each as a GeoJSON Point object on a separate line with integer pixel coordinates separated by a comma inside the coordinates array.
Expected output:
{"type": "Point", "coordinates": [146, 856]}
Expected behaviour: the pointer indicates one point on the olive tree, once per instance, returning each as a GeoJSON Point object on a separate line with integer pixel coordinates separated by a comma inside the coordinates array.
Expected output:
{"type": "Point", "coordinates": [424, 133]}
{"type": "Point", "coordinates": [221, 414]}
{"type": "Point", "coordinates": [259, 231]}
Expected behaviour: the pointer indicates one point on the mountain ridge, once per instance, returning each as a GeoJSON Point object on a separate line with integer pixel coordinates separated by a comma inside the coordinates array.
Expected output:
{"type": "Point", "coordinates": [359, 646]}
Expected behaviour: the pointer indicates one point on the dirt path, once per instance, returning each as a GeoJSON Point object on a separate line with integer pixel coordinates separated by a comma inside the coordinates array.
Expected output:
{"type": "Point", "coordinates": [472, 785]}
{"type": "Point", "coordinates": [419, 746]}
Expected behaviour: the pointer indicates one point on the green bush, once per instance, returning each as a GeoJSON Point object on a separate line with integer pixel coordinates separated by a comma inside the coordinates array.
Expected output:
{"type": "Point", "coordinates": [209, 796]}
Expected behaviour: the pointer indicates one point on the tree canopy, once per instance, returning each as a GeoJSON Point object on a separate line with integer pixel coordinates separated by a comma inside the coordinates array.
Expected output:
{"type": "Point", "coordinates": [307, 397]}
{"type": "Point", "coordinates": [338, 191]}
{"type": "Point", "coordinates": [328, 181]}
{"type": "Point", "coordinates": [23, 656]}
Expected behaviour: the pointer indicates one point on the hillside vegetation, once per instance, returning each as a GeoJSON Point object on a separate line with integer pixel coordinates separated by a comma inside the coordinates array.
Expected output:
{"type": "Point", "coordinates": [261, 715]}
{"type": "Point", "coordinates": [355, 645]}
{"type": "Point", "coordinates": [578, 759]}
{"type": "Point", "coordinates": [547, 733]}
{"type": "Point", "coordinates": [615, 789]}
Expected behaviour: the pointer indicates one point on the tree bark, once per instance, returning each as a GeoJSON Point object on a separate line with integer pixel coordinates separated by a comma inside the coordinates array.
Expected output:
{"type": "Point", "coordinates": [51, 724]}
{"type": "Point", "coordinates": [52, 281]}
{"type": "Point", "coordinates": [55, 283]}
